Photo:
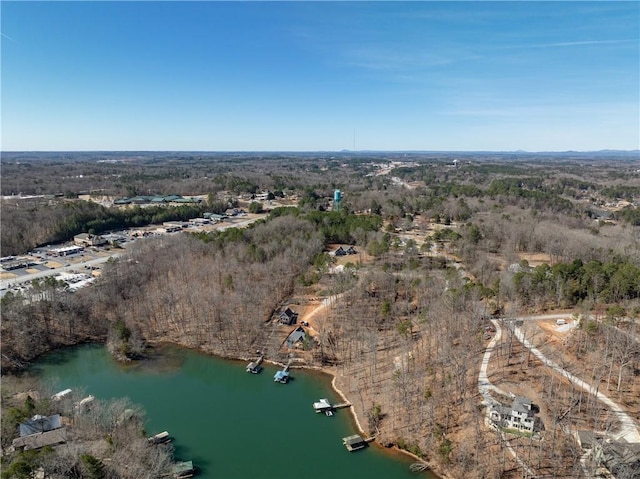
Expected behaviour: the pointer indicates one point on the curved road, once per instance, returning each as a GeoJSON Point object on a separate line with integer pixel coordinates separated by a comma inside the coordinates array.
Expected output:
{"type": "Point", "coordinates": [628, 428]}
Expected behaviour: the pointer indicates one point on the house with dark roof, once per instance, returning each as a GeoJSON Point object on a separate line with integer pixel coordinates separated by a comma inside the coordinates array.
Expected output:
{"type": "Point", "coordinates": [351, 250]}
{"type": "Point", "coordinates": [40, 423]}
{"type": "Point", "coordinates": [41, 439]}
{"type": "Point", "coordinates": [40, 431]}
{"type": "Point", "coordinates": [519, 415]}
{"type": "Point", "coordinates": [288, 317]}
{"type": "Point", "coordinates": [296, 337]}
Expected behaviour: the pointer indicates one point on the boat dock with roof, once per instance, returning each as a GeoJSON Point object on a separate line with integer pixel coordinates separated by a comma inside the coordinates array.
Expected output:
{"type": "Point", "coordinates": [353, 443]}
{"type": "Point", "coordinates": [160, 438]}
{"type": "Point", "coordinates": [323, 405]}
{"type": "Point", "coordinates": [284, 375]}
{"type": "Point", "coordinates": [255, 366]}
{"type": "Point", "coordinates": [183, 469]}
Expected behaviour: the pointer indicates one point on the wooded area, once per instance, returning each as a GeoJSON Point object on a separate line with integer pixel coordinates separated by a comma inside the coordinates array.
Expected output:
{"type": "Point", "coordinates": [112, 428]}
{"type": "Point", "coordinates": [406, 327]}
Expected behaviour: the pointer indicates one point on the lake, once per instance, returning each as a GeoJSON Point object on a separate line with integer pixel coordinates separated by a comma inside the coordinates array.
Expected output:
{"type": "Point", "coordinates": [230, 423]}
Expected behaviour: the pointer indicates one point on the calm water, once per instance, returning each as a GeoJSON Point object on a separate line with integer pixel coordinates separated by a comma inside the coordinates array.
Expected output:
{"type": "Point", "coordinates": [230, 423]}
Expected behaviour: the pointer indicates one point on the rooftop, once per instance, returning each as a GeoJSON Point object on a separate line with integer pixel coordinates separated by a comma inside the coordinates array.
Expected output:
{"type": "Point", "coordinates": [39, 424]}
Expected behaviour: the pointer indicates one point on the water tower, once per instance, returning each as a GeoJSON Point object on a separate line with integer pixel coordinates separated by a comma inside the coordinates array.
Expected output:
{"type": "Point", "coordinates": [337, 199]}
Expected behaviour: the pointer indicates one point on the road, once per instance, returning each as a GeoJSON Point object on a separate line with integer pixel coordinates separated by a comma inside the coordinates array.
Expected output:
{"type": "Point", "coordinates": [240, 224]}
{"type": "Point", "coordinates": [628, 428]}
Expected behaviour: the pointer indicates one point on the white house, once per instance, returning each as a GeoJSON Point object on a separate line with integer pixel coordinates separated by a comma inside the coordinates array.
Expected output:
{"type": "Point", "coordinates": [519, 416]}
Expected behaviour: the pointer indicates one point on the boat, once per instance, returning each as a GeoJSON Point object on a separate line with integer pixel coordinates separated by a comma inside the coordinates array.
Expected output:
{"type": "Point", "coordinates": [329, 412]}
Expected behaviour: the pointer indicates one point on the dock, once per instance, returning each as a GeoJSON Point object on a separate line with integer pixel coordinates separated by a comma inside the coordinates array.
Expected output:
{"type": "Point", "coordinates": [284, 375]}
{"type": "Point", "coordinates": [354, 443]}
{"type": "Point", "coordinates": [61, 394]}
{"type": "Point", "coordinates": [183, 469]}
{"type": "Point", "coordinates": [255, 367]}
{"type": "Point", "coordinates": [323, 405]}
{"type": "Point", "coordinates": [160, 438]}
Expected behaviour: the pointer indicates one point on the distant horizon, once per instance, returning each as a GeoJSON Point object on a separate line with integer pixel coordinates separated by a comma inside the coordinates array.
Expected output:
{"type": "Point", "coordinates": [320, 76]}
{"type": "Point", "coordinates": [605, 150]}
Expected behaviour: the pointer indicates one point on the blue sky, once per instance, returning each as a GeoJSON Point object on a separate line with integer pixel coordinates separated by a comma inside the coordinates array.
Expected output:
{"type": "Point", "coordinates": [306, 76]}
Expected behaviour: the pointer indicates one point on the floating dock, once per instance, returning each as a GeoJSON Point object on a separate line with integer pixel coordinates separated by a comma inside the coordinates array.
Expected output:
{"type": "Point", "coordinates": [353, 443]}
{"type": "Point", "coordinates": [255, 366]}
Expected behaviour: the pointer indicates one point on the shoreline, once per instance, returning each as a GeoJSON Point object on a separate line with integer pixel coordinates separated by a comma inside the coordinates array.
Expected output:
{"type": "Point", "coordinates": [432, 469]}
